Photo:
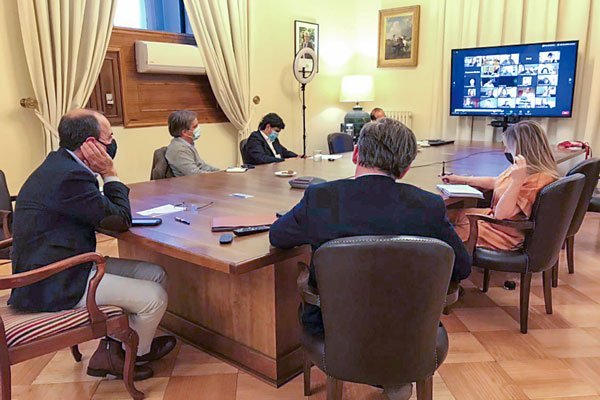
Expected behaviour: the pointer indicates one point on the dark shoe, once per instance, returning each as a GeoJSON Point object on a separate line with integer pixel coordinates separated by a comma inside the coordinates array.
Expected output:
{"type": "Point", "coordinates": [109, 359]}
{"type": "Point", "coordinates": [161, 346]}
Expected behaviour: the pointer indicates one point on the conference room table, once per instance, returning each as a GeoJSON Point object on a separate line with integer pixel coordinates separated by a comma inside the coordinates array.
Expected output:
{"type": "Point", "coordinates": [239, 301]}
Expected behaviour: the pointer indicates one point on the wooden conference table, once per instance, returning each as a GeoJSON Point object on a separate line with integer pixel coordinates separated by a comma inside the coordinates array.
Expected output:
{"type": "Point", "coordinates": [239, 301]}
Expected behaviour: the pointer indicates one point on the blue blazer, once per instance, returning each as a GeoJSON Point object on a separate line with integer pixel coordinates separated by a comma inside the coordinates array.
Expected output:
{"type": "Point", "coordinates": [56, 214]}
{"type": "Point", "coordinates": [258, 151]}
{"type": "Point", "coordinates": [368, 205]}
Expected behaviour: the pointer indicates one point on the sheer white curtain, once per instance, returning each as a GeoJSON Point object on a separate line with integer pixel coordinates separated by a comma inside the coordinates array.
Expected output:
{"type": "Point", "coordinates": [65, 43]}
{"type": "Point", "coordinates": [470, 23]}
{"type": "Point", "coordinates": [221, 28]}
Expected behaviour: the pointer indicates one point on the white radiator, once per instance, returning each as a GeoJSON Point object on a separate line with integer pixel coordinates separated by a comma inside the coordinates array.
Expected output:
{"type": "Point", "coordinates": [403, 116]}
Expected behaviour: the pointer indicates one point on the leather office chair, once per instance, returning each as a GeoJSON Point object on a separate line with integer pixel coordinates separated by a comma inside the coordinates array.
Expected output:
{"type": "Point", "coordinates": [6, 209]}
{"type": "Point", "coordinates": [243, 149]}
{"type": "Point", "coordinates": [546, 231]}
{"type": "Point", "coordinates": [339, 143]}
{"type": "Point", "coordinates": [381, 298]}
{"type": "Point", "coordinates": [24, 336]}
{"type": "Point", "coordinates": [590, 169]}
{"type": "Point", "coordinates": [594, 204]}
{"type": "Point", "coordinates": [160, 165]}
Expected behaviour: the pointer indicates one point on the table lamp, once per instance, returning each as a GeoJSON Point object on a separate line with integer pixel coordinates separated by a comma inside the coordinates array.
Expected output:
{"type": "Point", "coordinates": [356, 88]}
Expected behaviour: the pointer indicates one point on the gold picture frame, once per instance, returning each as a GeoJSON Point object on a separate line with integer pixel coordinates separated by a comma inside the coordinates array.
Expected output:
{"type": "Point", "coordinates": [398, 37]}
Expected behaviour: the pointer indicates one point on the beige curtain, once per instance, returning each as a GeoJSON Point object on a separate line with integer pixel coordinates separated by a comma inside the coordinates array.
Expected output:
{"type": "Point", "coordinates": [470, 23]}
{"type": "Point", "coordinates": [221, 29]}
{"type": "Point", "coordinates": [65, 43]}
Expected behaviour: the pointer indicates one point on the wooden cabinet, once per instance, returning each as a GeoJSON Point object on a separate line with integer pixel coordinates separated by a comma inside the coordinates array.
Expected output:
{"type": "Point", "coordinates": [107, 97]}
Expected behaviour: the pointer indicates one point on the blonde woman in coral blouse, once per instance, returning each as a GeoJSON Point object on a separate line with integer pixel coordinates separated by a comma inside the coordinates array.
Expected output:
{"type": "Point", "coordinates": [515, 190]}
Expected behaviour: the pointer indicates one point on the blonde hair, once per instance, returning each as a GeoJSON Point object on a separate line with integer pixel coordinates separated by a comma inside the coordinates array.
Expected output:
{"type": "Point", "coordinates": [527, 138]}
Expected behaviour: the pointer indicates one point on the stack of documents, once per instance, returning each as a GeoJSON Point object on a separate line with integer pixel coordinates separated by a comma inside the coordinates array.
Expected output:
{"type": "Point", "coordinates": [460, 191]}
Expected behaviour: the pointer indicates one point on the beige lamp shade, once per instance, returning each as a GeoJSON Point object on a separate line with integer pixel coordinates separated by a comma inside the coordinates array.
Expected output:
{"type": "Point", "coordinates": [356, 88]}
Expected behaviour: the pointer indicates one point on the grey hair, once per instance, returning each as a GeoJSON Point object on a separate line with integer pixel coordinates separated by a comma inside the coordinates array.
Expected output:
{"type": "Point", "coordinates": [180, 121]}
{"type": "Point", "coordinates": [388, 145]}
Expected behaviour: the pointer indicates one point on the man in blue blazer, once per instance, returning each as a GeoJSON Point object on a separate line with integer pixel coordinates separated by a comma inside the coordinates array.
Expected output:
{"type": "Point", "coordinates": [56, 214]}
{"type": "Point", "coordinates": [371, 204]}
{"type": "Point", "coordinates": [263, 146]}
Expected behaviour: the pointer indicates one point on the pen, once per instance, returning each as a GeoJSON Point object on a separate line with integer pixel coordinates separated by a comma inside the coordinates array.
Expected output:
{"type": "Point", "coordinates": [444, 169]}
{"type": "Point", "coordinates": [183, 221]}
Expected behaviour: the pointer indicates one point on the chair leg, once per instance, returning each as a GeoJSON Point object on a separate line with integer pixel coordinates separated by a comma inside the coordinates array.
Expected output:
{"type": "Point", "coordinates": [546, 277]}
{"type": "Point", "coordinates": [425, 389]}
{"type": "Point", "coordinates": [129, 339]}
{"type": "Point", "coordinates": [486, 280]}
{"type": "Point", "coordinates": [307, 365]}
{"type": "Point", "coordinates": [555, 275]}
{"type": "Point", "coordinates": [334, 388]}
{"type": "Point", "coordinates": [5, 379]}
{"type": "Point", "coordinates": [76, 353]}
{"type": "Point", "coordinates": [570, 253]}
{"type": "Point", "coordinates": [524, 299]}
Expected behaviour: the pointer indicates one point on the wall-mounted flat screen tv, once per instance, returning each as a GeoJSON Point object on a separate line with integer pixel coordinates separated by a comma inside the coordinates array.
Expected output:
{"type": "Point", "coordinates": [528, 80]}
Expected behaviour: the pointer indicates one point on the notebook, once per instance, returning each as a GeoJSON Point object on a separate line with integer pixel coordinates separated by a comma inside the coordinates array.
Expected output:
{"type": "Point", "coordinates": [460, 191]}
{"type": "Point", "coordinates": [229, 223]}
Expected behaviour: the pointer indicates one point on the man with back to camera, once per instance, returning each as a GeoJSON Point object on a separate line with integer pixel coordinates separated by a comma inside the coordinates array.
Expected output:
{"type": "Point", "coordinates": [371, 204]}
{"type": "Point", "coordinates": [263, 146]}
{"type": "Point", "coordinates": [377, 113]}
{"type": "Point", "coordinates": [182, 156]}
{"type": "Point", "coordinates": [56, 214]}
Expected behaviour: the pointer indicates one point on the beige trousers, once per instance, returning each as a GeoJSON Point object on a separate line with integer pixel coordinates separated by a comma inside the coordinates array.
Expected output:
{"type": "Point", "coordinates": [140, 289]}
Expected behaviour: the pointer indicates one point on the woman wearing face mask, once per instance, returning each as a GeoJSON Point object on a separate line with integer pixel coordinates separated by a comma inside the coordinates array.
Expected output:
{"type": "Point", "coordinates": [263, 146]}
{"type": "Point", "coordinates": [182, 156]}
{"type": "Point", "coordinates": [515, 190]}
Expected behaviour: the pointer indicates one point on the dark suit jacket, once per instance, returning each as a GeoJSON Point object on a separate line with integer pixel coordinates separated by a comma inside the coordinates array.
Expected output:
{"type": "Point", "coordinates": [57, 211]}
{"type": "Point", "coordinates": [258, 151]}
{"type": "Point", "coordinates": [368, 205]}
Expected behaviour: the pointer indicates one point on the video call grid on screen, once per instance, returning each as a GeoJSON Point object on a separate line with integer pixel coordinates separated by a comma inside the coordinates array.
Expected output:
{"type": "Point", "coordinates": [536, 80]}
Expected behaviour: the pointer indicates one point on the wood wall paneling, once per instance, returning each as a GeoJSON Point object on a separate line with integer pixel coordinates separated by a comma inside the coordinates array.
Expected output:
{"type": "Point", "coordinates": [109, 83]}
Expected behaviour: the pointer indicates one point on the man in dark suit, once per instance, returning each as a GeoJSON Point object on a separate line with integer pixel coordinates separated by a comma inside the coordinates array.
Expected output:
{"type": "Point", "coordinates": [56, 214]}
{"type": "Point", "coordinates": [371, 204]}
{"type": "Point", "coordinates": [263, 146]}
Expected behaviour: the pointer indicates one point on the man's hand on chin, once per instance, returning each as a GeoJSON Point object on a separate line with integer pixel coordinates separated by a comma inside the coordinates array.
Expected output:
{"type": "Point", "coordinates": [97, 159]}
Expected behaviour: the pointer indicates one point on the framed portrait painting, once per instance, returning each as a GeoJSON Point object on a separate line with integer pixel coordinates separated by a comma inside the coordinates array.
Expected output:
{"type": "Point", "coordinates": [306, 34]}
{"type": "Point", "coordinates": [398, 37]}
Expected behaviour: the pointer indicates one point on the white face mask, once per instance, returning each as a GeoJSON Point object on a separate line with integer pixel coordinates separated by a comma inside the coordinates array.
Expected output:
{"type": "Point", "coordinates": [196, 134]}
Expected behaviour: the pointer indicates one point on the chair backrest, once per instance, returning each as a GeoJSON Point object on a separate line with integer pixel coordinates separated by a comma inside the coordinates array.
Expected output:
{"type": "Point", "coordinates": [339, 143]}
{"type": "Point", "coordinates": [243, 149]}
{"type": "Point", "coordinates": [381, 300]}
{"type": "Point", "coordinates": [552, 214]}
{"type": "Point", "coordinates": [590, 169]}
{"type": "Point", "coordinates": [160, 165]}
{"type": "Point", "coordinates": [5, 202]}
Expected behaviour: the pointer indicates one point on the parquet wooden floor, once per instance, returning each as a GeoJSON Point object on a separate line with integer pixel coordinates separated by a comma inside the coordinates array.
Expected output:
{"type": "Point", "coordinates": [488, 359]}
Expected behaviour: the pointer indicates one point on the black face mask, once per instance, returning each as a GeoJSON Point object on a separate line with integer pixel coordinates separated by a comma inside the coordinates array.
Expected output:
{"type": "Point", "coordinates": [111, 149]}
{"type": "Point", "coordinates": [509, 157]}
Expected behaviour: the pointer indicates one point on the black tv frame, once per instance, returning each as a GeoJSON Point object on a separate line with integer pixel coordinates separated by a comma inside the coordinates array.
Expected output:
{"type": "Point", "coordinates": [512, 115]}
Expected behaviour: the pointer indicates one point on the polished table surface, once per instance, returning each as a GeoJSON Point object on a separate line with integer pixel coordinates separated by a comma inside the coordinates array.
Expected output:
{"type": "Point", "coordinates": [239, 301]}
{"type": "Point", "coordinates": [197, 244]}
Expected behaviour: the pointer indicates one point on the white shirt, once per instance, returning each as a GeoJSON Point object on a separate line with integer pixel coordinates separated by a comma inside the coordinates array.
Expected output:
{"type": "Point", "coordinates": [270, 144]}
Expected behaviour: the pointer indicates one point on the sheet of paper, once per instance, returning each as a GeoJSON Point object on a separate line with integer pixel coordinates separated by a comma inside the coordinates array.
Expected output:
{"type": "Point", "coordinates": [166, 209]}
{"type": "Point", "coordinates": [331, 156]}
{"type": "Point", "coordinates": [241, 195]}
{"type": "Point", "coordinates": [236, 169]}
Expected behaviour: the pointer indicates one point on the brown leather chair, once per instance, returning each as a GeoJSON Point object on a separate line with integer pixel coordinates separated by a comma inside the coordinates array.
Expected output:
{"type": "Point", "coordinates": [546, 230]}
{"type": "Point", "coordinates": [381, 298]}
{"type": "Point", "coordinates": [590, 169]}
{"type": "Point", "coordinates": [160, 165]}
{"type": "Point", "coordinates": [6, 209]}
{"type": "Point", "coordinates": [28, 335]}
{"type": "Point", "coordinates": [243, 149]}
{"type": "Point", "coordinates": [339, 142]}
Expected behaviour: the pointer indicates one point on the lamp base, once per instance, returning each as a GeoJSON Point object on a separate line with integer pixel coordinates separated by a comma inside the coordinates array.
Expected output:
{"type": "Point", "coordinates": [358, 118]}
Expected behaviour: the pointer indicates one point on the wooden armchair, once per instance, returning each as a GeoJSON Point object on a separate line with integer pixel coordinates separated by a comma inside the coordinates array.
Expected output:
{"type": "Point", "coordinates": [27, 335]}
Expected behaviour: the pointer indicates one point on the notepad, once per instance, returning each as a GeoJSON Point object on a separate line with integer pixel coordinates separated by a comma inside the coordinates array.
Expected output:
{"type": "Point", "coordinates": [460, 191]}
{"type": "Point", "coordinates": [166, 209]}
{"type": "Point", "coordinates": [331, 156]}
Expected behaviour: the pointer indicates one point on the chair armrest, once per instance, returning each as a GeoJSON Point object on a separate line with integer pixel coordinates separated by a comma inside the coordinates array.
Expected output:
{"type": "Point", "coordinates": [6, 243]}
{"type": "Point", "coordinates": [30, 277]}
{"type": "Point", "coordinates": [5, 215]}
{"type": "Point", "coordinates": [474, 228]}
{"type": "Point", "coordinates": [308, 293]}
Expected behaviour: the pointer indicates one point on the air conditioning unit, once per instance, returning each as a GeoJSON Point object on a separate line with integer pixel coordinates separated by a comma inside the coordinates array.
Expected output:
{"type": "Point", "coordinates": [168, 58]}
